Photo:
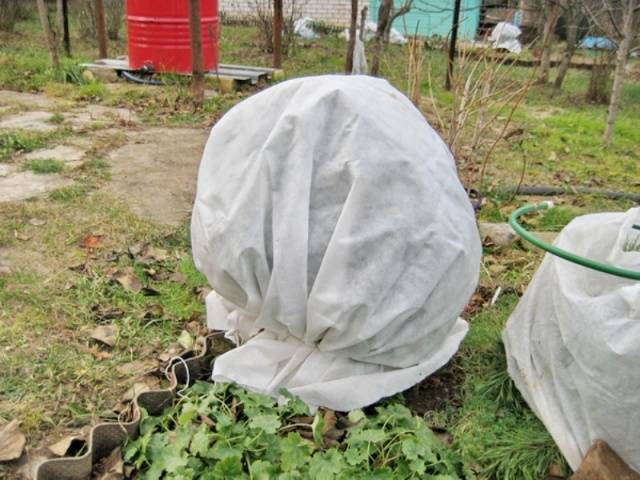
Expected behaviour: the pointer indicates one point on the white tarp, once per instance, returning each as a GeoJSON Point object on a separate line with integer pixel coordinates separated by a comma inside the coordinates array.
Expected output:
{"type": "Point", "coordinates": [330, 221]}
{"type": "Point", "coordinates": [573, 342]}
{"type": "Point", "coordinates": [360, 66]}
{"type": "Point", "coordinates": [370, 29]}
{"type": "Point", "coordinates": [303, 27]}
{"type": "Point", "coordinates": [505, 35]}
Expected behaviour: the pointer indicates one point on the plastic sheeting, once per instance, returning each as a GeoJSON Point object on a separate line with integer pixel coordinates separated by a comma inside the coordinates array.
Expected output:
{"type": "Point", "coordinates": [370, 29]}
{"type": "Point", "coordinates": [505, 35]}
{"type": "Point", "coordinates": [330, 222]}
{"type": "Point", "coordinates": [360, 66]}
{"type": "Point", "coordinates": [303, 27]}
{"type": "Point", "coordinates": [573, 342]}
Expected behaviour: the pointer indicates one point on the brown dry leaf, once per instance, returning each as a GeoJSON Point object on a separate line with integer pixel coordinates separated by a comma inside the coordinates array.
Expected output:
{"type": "Point", "coordinates": [208, 421]}
{"type": "Point", "coordinates": [136, 367]}
{"type": "Point", "coordinates": [154, 310]}
{"type": "Point", "coordinates": [186, 340]}
{"type": "Point", "coordinates": [103, 313]}
{"type": "Point", "coordinates": [150, 255]}
{"type": "Point", "coordinates": [150, 292]}
{"type": "Point", "coordinates": [202, 292]}
{"type": "Point", "coordinates": [329, 420]}
{"type": "Point", "coordinates": [139, 387]}
{"type": "Point", "coordinates": [128, 280]}
{"type": "Point", "coordinates": [110, 467]}
{"type": "Point", "coordinates": [91, 241]}
{"type": "Point", "coordinates": [105, 334]}
{"type": "Point", "coordinates": [170, 353]}
{"type": "Point", "coordinates": [12, 441]}
{"type": "Point", "coordinates": [100, 354]}
{"type": "Point", "coordinates": [21, 237]}
{"type": "Point", "coordinates": [62, 446]}
{"type": "Point", "coordinates": [178, 278]}
{"type": "Point", "coordinates": [135, 249]}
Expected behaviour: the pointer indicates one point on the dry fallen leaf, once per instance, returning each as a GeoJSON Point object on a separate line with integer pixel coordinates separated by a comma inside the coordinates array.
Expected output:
{"type": "Point", "coordinates": [20, 236]}
{"type": "Point", "coordinates": [329, 420]}
{"type": "Point", "coordinates": [62, 446]}
{"type": "Point", "coordinates": [186, 340]}
{"type": "Point", "coordinates": [103, 313]}
{"type": "Point", "coordinates": [178, 278]}
{"type": "Point", "coordinates": [12, 441]}
{"type": "Point", "coordinates": [136, 367]}
{"type": "Point", "coordinates": [148, 254]}
{"type": "Point", "coordinates": [91, 241]}
{"type": "Point", "coordinates": [37, 222]}
{"type": "Point", "coordinates": [105, 334]}
{"type": "Point", "coordinates": [128, 280]}
{"type": "Point", "coordinates": [111, 467]}
{"type": "Point", "coordinates": [148, 383]}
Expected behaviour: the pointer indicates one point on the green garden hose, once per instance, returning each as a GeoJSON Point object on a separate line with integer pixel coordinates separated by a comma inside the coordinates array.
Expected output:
{"type": "Point", "coordinates": [559, 252]}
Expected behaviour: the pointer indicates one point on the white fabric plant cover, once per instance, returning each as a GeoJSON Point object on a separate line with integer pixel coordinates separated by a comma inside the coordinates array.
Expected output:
{"type": "Point", "coordinates": [573, 342]}
{"type": "Point", "coordinates": [505, 35]}
{"type": "Point", "coordinates": [330, 221]}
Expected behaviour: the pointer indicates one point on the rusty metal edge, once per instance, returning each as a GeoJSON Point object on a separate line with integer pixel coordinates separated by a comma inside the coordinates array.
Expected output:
{"type": "Point", "coordinates": [105, 437]}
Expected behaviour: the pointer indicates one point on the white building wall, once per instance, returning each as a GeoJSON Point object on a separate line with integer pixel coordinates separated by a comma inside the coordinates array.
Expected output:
{"type": "Point", "coordinates": [334, 12]}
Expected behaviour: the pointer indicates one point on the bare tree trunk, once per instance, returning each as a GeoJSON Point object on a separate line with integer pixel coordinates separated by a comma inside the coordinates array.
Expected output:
{"type": "Point", "coordinates": [51, 44]}
{"type": "Point", "coordinates": [452, 45]}
{"type": "Point", "coordinates": [628, 32]}
{"type": "Point", "coordinates": [59, 18]}
{"type": "Point", "coordinates": [101, 30]}
{"type": "Point", "coordinates": [384, 16]}
{"type": "Point", "coordinates": [65, 28]}
{"type": "Point", "coordinates": [545, 54]}
{"type": "Point", "coordinates": [277, 33]}
{"type": "Point", "coordinates": [573, 18]}
{"type": "Point", "coordinates": [348, 66]}
{"type": "Point", "coordinates": [197, 62]}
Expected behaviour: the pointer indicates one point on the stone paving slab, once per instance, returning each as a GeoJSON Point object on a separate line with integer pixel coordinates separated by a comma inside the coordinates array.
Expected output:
{"type": "Point", "coordinates": [24, 185]}
{"type": "Point", "coordinates": [35, 120]}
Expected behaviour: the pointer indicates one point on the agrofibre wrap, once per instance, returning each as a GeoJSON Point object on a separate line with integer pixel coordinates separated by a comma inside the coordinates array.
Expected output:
{"type": "Point", "coordinates": [341, 246]}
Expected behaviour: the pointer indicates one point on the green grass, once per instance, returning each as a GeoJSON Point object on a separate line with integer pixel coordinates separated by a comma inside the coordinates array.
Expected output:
{"type": "Point", "coordinates": [43, 166]}
{"type": "Point", "coordinates": [494, 429]}
{"type": "Point", "coordinates": [18, 142]}
{"type": "Point", "coordinates": [56, 118]}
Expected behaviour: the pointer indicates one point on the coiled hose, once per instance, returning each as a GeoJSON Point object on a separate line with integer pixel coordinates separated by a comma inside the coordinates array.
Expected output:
{"type": "Point", "coordinates": [559, 252]}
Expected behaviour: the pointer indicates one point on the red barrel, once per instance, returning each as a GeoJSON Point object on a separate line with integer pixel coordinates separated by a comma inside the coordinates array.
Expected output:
{"type": "Point", "coordinates": [160, 37]}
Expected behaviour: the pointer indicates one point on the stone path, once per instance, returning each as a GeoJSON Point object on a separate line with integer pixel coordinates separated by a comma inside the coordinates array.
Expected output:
{"type": "Point", "coordinates": [154, 171]}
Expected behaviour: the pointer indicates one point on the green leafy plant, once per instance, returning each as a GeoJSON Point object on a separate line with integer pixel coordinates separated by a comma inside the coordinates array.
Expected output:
{"type": "Point", "coordinates": [223, 431]}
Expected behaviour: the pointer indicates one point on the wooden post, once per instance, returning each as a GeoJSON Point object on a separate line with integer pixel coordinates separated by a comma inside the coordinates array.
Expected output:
{"type": "Point", "coordinates": [51, 44]}
{"type": "Point", "coordinates": [197, 62]}
{"type": "Point", "coordinates": [65, 27]}
{"type": "Point", "coordinates": [277, 33]}
{"type": "Point", "coordinates": [452, 44]}
{"type": "Point", "coordinates": [348, 66]}
{"type": "Point", "coordinates": [101, 30]}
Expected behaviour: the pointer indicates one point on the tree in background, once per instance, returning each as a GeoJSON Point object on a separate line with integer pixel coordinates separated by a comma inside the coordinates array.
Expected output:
{"type": "Point", "coordinates": [552, 10]}
{"type": "Point", "coordinates": [43, 13]}
{"type": "Point", "coordinates": [387, 14]}
{"type": "Point", "coordinates": [573, 17]}
{"type": "Point", "coordinates": [113, 12]}
{"type": "Point", "coordinates": [353, 25]}
{"type": "Point", "coordinates": [618, 20]}
{"type": "Point", "coordinates": [11, 11]}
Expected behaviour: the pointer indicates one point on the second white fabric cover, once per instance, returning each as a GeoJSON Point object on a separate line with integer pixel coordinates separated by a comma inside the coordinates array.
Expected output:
{"type": "Point", "coordinates": [573, 341]}
{"type": "Point", "coordinates": [331, 224]}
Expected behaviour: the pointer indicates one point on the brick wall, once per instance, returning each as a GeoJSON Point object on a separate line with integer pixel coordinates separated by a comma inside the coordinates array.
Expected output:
{"type": "Point", "coordinates": [335, 12]}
